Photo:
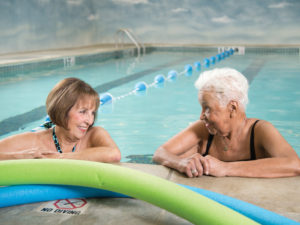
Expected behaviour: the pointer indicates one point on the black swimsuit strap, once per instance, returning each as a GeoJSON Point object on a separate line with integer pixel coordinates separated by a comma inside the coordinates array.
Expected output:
{"type": "Point", "coordinates": [252, 148]}
{"type": "Point", "coordinates": [209, 141]}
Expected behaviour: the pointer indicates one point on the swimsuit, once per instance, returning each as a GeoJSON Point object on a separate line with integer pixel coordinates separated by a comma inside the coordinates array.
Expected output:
{"type": "Point", "coordinates": [252, 148]}
{"type": "Point", "coordinates": [57, 143]}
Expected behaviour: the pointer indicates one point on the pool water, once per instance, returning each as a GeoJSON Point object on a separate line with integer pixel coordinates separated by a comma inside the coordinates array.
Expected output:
{"type": "Point", "coordinates": [141, 123]}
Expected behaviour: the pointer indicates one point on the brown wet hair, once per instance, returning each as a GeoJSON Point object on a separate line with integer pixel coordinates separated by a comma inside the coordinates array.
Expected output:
{"type": "Point", "coordinates": [64, 96]}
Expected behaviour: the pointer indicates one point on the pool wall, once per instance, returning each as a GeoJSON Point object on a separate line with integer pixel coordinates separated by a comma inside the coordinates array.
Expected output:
{"type": "Point", "coordinates": [62, 62]}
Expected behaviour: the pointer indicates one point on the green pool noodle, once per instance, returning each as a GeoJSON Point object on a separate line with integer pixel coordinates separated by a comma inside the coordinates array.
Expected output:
{"type": "Point", "coordinates": [167, 195]}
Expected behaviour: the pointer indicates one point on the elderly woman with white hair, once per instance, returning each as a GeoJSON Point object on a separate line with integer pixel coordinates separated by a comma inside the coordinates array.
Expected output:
{"type": "Point", "coordinates": [224, 142]}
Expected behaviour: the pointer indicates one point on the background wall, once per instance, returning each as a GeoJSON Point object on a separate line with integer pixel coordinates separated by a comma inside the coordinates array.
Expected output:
{"type": "Point", "coordinates": [46, 24]}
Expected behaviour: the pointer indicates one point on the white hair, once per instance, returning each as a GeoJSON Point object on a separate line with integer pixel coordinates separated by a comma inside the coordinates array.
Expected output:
{"type": "Point", "coordinates": [227, 83]}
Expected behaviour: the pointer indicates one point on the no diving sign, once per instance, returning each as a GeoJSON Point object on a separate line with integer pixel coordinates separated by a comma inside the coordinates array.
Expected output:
{"type": "Point", "coordinates": [72, 206]}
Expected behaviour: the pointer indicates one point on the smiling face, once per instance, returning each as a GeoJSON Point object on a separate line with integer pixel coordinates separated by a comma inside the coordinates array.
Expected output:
{"type": "Point", "coordinates": [81, 116]}
{"type": "Point", "coordinates": [215, 116]}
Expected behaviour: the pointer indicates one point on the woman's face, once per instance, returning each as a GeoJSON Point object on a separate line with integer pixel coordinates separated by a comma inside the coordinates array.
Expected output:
{"type": "Point", "coordinates": [215, 116]}
{"type": "Point", "coordinates": [81, 116]}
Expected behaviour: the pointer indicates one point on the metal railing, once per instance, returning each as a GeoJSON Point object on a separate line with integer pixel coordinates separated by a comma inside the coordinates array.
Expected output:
{"type": "Point", "coordinates": [119, 39]}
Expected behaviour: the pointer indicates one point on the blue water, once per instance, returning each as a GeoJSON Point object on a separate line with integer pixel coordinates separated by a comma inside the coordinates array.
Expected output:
{"type": "Point", "coordinates": [140, 124]}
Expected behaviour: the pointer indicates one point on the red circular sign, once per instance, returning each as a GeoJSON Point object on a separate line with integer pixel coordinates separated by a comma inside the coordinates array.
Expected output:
{"type": "Point", "coordinates": [72, 203]}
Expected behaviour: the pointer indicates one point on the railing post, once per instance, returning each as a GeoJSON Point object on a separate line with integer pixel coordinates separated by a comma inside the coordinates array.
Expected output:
{"type": "Point", "coordinates": [131, 37]}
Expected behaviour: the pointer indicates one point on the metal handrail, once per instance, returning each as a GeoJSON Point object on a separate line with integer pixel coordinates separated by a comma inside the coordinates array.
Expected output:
{"type": "Point", "coordinates": [132, 38]}
{"type": "Point", "coordinates": [142, 45]}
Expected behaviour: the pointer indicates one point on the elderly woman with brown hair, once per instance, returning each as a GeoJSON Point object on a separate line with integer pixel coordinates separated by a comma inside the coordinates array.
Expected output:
{"type": "Point", "coordinates": [224, 142]}
{"type": "Point", "coordinates": [72, 106]}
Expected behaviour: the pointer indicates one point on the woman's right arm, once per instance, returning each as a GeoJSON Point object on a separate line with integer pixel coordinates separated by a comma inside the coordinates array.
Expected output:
{"type": "Point", "coordinates": [20, 146]}
{"type": "Point", "coordinates": [181, 151]}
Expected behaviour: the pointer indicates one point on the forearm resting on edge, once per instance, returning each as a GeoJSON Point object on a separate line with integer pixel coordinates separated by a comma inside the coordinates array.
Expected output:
{"type": "Point", "coordinates": [99, 154]}
{"type": "Point", "coordinates": [166, 158]}
{"type": "Point", "coordinates": [265, 168]}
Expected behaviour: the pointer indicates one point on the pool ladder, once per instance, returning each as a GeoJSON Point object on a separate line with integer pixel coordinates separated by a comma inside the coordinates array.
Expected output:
{"type": "Point", "coordinates": [119, 39]}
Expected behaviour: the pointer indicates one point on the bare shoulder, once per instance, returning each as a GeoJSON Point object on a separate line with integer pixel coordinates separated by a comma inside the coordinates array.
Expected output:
{"type": "Point", "coordinates": [27, 136]}
{"type": "Point", "coordinates": [270, 139]}
{"type": "Point", "coordinates": [18, 141]}
{"type": "Point", "coordinates": [265, 130]}
{"type": "Point", "coordinates": [264, 127]}
{"type": "Point", "coordinates": [97, 131]}
{"type": "Point", "coordinates": [98, 136]}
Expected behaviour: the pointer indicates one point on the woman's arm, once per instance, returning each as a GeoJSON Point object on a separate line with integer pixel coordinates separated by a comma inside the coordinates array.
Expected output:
{"type": "Point", "coordinates": [181, 152]}
{"type": "Point", "coordinates": [25, 154]}
{"type": "Point", "coordinates": [21, 146]}
{"type": "Point", "coordinates": [263, 168]}
{"type": "Point", "coordinates": [281, 161]}
{"type": "Point", "coordinates": [101, 148]}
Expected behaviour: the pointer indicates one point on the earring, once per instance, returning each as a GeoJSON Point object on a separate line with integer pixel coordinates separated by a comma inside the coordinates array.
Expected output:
{"type": "Point", "coordinates": [231, 112]}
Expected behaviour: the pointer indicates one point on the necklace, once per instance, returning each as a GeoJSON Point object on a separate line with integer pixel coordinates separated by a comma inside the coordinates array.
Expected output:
{"type": "Point", "coordinates": [226, 146]}
{"type": "Point", "coordinates": [238, 134]}
{"type": "Point", "coordinates": [57, 143]}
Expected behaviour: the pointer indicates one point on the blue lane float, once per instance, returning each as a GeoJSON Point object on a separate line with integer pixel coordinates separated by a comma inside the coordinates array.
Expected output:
{"type": "Point", "coordinates": [140, 86]}
{"type": "Point", "coordinates": [223, 55]}
{"type": "Point", "coordinates": [188, 70]}
{"type": "Point", "coordinates": [159, 79]}
{"type": "Point", "coordinates": [213, 60]}
{"type": "Point", "coordinates": [197, 66]}
{"type": "Point", "coordinates": [106, 98]}
{"type": "Point", "coordinates": [172, 75]}
{"type": "Point", "coordinates": [24, 194]}
{"type": "Point", "coordinates": [206, 62]}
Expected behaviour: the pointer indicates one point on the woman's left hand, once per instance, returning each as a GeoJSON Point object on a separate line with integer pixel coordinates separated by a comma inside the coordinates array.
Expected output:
{"type": "Point", "coordinates": [51, 155]}
{"type": "Point", "coordinates": [216, 167]}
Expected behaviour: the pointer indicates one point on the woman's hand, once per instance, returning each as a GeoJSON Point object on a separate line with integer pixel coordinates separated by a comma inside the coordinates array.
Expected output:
{"type": "Point", "coordinates": [36, 153]}
{"type": "Point", "coordinates": [215, 167]}
{"type": "Point", "coordinates": [193, 166]}
{"type": "Point", "coordinates": [50, 155]}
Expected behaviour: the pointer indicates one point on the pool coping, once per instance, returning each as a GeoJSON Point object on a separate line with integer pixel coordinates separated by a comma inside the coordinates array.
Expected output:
{"type": "Point", "coordinates": [7, 59]}
{"type": "Point", "coordinates": [11, 64]}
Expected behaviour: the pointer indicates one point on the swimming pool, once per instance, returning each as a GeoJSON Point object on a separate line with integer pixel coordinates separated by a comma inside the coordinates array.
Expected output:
{"type": "Point", "coordinates": [140, 124]}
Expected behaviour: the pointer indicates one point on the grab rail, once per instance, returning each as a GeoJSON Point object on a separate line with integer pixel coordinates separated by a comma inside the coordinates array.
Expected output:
{"type": "Point", "coordinates": [132, 37]}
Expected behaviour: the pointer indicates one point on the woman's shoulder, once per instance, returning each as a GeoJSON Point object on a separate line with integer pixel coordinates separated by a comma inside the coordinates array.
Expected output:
{"type": "Point", "coordinates": [97, 132]}
{"type": "Point", "coordinates": [260, 124]}
{"type": "Point", "coordinates": [263, 128]}
{"type": "Point", "coordinates": [96, 129]}
{"type": "Point", "coordinates": [25, 136]}
{"type": "Point", "coordinates": [98, 136]}
{"type": "Point", "coordinates": [268, 138]}
{"type": "Point", "coordinates": [23, 140]}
